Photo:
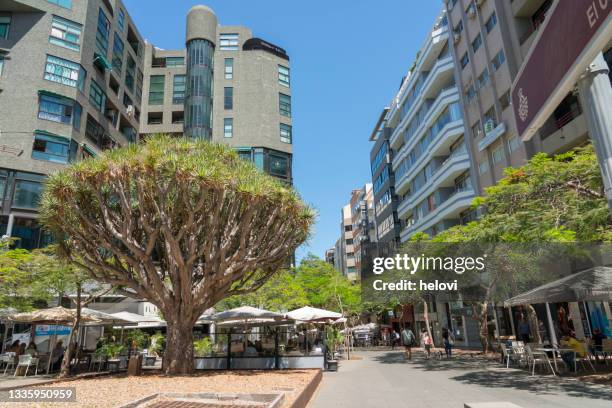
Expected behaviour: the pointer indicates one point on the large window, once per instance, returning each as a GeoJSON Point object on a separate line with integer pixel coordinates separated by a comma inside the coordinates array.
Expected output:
{"type": "Point", "coordinates": [62, 3]}
{"type": "Point", "coordinates": [117, 54]}
{"type": "Point", "coordinates": [97, 97]}
{"type": "Point", "coordinates": [483, 78]}
{"type": "Point", "coordinates": [57, 109]}
{"type": "Point", "coordinates": [156, 89]}
{"type": "Point", "coordinates": [278, 165]}
{"type": "Point", "coordinates": [491, 22]}
{"type": "Point", "coordinates": [65, 33]}
{"type": "Point", "coordinates": [96, 134]}
{"type": "Point", "coordinates": [228, 42]}
{"type": "Point", "coordinates": [5, 24]}
{"type": "Point", "coordinates": [51, 148]}
{"type": "Point", "coordinates": [497, 154]}
{"type": "Point", "coordinates": [102, 33]}
{"type": "Point", "coordinates": [228, 97]}
{"type": "Point", "coordinates": [175, 61]}
{"type": "Point", "coordinates": [178, 89]}
{"type": "Point", "coordinates": [130, 73]}
{"type": "Point", "coordinates": [285, 133]}
{"type": "Point", "coordinates": [498, 60]}
{"type": "Point", "coordinates": [64, 72]}
{"type": "Point", "coordinates": [465, 59]}
{"type": "Point", "coordinates": [476, 43]}
{"type": "Point", "coordinates": [228, 127]}
{"type": "Point", "coordinates": [284, 77]}
{"type": "Point", "coordinates": [284, 102]}
{"type": "Point", "coordinates": [121, 20]}
{"type": "Point", "coordinates": [229, 68]}
{"type": "Point", "coordinates": [27, 194]}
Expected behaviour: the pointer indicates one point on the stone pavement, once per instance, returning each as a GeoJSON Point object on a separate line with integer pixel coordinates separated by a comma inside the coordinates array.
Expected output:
{"type": "Point", "coordinates": [385, 379]}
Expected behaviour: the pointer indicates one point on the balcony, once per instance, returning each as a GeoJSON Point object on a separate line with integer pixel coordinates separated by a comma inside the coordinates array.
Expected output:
{"type": "Point", "coordinates": [449, 209]}
{"type": "Point", "coordinates": [447, 135]}
{"type": "Point", "coordinates": [444, 176]}
{"type": "Point", "coordinates": [492, 136]}
{"type": "Point", "coordinates": [440, 75]}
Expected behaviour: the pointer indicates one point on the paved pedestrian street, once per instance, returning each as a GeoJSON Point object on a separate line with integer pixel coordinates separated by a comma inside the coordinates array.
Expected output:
{"type": "Point", "coordinates": [385, 379]}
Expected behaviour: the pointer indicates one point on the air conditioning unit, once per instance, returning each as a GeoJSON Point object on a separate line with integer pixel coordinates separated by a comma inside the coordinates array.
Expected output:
{"type": "Point", "coordinates": [456, 37]}
{"type": "Point", "coordinates": [130, 111]}
{"type": "Point", "coordinates": [489, 126]}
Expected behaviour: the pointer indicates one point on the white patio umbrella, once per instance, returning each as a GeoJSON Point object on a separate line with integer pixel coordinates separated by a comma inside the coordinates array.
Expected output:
{"type": "Point", "coordinates": [248, 315]}
{"type": "Point", "coordinates": [313, 314]}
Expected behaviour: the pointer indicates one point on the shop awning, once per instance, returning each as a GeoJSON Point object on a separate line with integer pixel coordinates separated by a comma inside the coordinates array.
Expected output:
{"type": "Point", "coordinates": [593, 284]}
{"type": "Point", "coordinates": [101, 62]}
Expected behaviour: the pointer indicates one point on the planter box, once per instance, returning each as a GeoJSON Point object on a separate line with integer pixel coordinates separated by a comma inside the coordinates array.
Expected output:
{"type": "Point", "coordinates": [332, 365]}
{"type": "Point", "coordinates": [149, 361]}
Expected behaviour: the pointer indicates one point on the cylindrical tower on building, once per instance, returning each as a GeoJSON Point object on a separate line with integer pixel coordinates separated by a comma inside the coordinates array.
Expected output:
{"type": "Point", "coordinates": [201, 38]}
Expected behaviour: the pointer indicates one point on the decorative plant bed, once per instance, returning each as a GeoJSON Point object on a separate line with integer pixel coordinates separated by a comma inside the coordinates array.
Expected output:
{"type": "Point", "coordinates": [207, 400]}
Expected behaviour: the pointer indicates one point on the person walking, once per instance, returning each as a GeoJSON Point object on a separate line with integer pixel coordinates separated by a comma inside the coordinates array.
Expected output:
{"type": "Point", "coordinates": [426, 342]}
{"type": "Point", "coordinates": [449, 342]}
{"type": "Point", "coordinates": [524, 330]}
{"type": "Point", "coordinates": [408, 339]}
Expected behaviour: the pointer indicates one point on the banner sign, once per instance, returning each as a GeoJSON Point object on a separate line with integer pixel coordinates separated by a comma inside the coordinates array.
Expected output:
{"type": "Point", "coordinates": [48, 330]}
{"type": "Point", "coordinates": [563, 50]}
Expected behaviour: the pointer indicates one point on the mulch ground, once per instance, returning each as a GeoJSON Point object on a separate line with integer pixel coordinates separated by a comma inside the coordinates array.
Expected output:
{"type": "Point", "coordinates": [113, 391]}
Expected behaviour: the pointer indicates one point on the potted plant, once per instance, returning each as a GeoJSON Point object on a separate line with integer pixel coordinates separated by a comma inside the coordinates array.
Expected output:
{"type": "Point", "coordinates": [333, 339]}
{"type": "Point", "coordinates": [202, 348]}
{"type": "Point", "coordinates": [112, 352]}
{"type": "Point", "coordinates": [155, 349]}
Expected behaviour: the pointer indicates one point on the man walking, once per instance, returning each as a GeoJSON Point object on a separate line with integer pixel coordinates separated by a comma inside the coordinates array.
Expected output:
{"type": "Point", "coordinates": [408, 341]}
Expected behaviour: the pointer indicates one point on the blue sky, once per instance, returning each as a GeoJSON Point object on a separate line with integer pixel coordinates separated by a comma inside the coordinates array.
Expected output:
{"type": "Point", "coordinates": [347, 60]}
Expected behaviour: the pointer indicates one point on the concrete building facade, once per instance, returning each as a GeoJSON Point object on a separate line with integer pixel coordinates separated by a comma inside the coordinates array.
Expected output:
{"type": "Point", "coordinates": [430, 164]}
{"type": "Point", "coordinates": [241, 95]}
{"type": "Point", "coordinates": [70, 87]}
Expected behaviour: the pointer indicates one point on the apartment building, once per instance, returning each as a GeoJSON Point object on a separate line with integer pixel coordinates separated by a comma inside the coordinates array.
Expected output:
{"type": "Point", "coordinates": [364, 227]}
{"type": "Point", "coordinates": [71, 77]}
{"type": "Point", "coordinates": [347, 244]}
{"type": "Point", "coordinates": [430, 164]}
{"type": "Point", "coordinates": [491, 40]}
{"type": "Point", "coordinates": [330, 256]}
{"type": "Point", "coordinates": [226, 86]}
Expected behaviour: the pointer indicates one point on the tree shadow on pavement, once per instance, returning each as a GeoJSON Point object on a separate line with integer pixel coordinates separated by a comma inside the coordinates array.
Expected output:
{"type": "Point", "coordinates": [491, 374]}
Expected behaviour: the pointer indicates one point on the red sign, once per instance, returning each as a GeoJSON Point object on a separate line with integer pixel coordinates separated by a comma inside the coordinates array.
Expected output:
{"type": "Point", "coordinates": [569, 30]}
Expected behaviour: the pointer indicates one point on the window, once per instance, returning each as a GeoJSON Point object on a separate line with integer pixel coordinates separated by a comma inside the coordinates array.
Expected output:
{"type": "Point", "coordinates": [228, 97]}
{"type": "Point", "coordinates": [139, 80]}
{"type": "Point", "coordinates": [470, 93]}
{"type": "Point", "coordinates": [513, 143]}
{"type": "Point", "coordinates": [284, 76]}
{"type": "Point", "coordinates": [178, 89]}
{"type": "Point", "coordinates": [5, 25]}
{"type": "Point", "coordinates": [97, 97]}
{"type": "Point", "coordinates": [284, 102]}
{"type": "Point", "coordinates": [476, 43]}
{"type": "Point", "coordinates": [229, 68]}
{"type": "Point", "coordinates": [490, 119]}
{"type": "Point", "coordinates": [117, 54]}
{"type": "Point", "coordinates": [476, 131]}
{"type": "Point", "coordinates": [228, 127]}
{"type": "Point", "coordinates": [50, 148]}
{"type": "Point", "coordinates": [483, 78]}
{"type": "Point", "coordinates": [175, 61]}
{"type": "Point", "coordinates": [497, 154]}
{"type": "Point", "coordinates": [130, 73]}
{"type": "Point", "coordinates": [102, 33]}
{"type": "Point", "coordinates": [155, 118]}
{"type": "Point", "coordinates": [278, 165]}
{"type": "Point", "coordinates": [228, 42]}
{"type": "Point", "coordinates": [27, 194]}
{"type": "Point", "coordinates": [491, 22]}
{"type": "Point", "coordinates": [62, 3]}
{"type": "Point", "coordinates": [58, 109]}
{"type": "Point", "coordinates": [64, 72]}
{"type": "Point", "coordinates": [285, 133]}
{"type": "Point", "coordinates": [465, 60]}
{"type": "Point", "coordinates": [65, 33]}
{"type": "Point", "coordinates": [156, 89]}
{"type": "Point", "coordinates": [504, 100]}
{"type": "Point", "coordinates": [459, 27]}
{"type": "Point", "coordinates": [121, 20]}
{"type": "Point", "coordinates": [381, 180]}
{"type": "Point", "coordinates": [498, 60]}
{"type": "Point", "coordinates": [483, 167]}
{"type": "Point", "coordinates": [96, 134]}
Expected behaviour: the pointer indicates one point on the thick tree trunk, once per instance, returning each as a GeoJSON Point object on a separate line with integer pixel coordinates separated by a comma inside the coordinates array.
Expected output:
{"type": "Point", "coordinates": [178, 356]}
{"type": "Point", "coordinates": [426, 315]}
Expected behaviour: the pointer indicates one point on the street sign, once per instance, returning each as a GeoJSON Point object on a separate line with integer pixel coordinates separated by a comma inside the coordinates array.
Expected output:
{"type": "Point", "coordinates": [574, 32]}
